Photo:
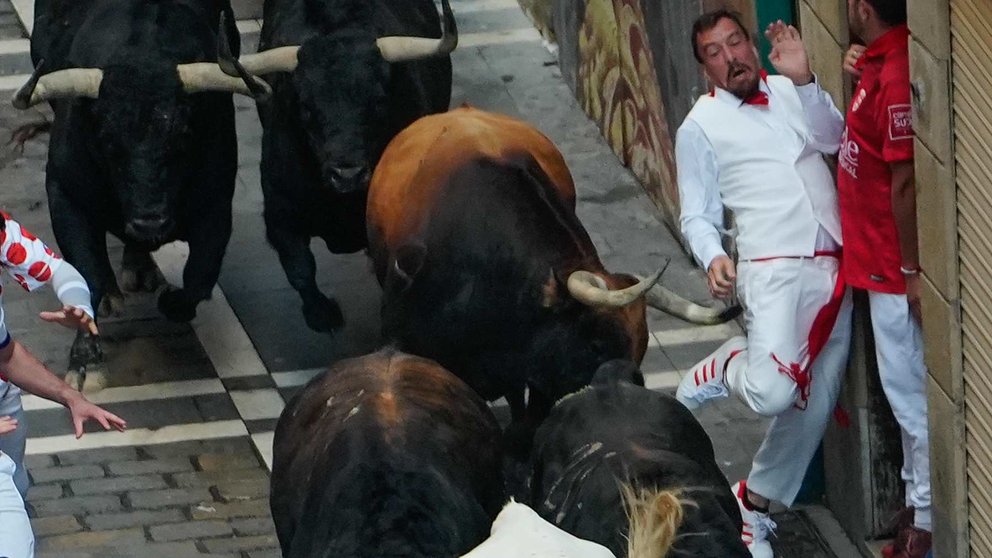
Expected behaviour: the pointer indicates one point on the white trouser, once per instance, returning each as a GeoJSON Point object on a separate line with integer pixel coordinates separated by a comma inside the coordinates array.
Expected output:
{"type": "Point", "coordinates": [899, 351]}
{"type": "Point", "coordinates": [781, 298]}
{"type": "Point", "coordinates": [13, 443]}
{"type": "Point", "coordinates": [16, 538]}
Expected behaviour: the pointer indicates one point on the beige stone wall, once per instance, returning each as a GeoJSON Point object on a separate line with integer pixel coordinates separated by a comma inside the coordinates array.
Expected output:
{"type": "Point", "coordinates": [824, 28]}
{"type": "Point", "coordinates": [930, 60]}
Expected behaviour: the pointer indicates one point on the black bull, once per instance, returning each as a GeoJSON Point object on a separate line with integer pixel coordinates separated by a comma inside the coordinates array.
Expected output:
{"type": "Point", "coordinates": [387, 455]}
{"type": "Point", "coordinates": [346, 76]}
{"type": "Point", "coordinates": [142, 145]}
{"type": "Point", "coordinates": [617, 433]}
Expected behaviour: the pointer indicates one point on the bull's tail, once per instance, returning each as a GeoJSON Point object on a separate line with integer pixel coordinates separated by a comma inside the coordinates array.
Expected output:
{"type": "Point", "coordinates": [667, 301]}
{"type": "Point", "coordinates": [654, 520]}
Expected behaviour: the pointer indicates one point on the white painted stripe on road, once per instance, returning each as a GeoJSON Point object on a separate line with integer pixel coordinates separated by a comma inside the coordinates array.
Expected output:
{"type": "Point", "coordinates": [25, 11]}
{"type": "Point", "coordinates": [489, 38]}
{"type": "Point", "coordinates": [227, 345]}
{"type": "Point", "coordinates": [263, 442]}
{"type": "Point", "coordinates": [225, 341]}
{"type": "Point", "coordinates": [295, 378]}
{"type": "Point", "coordinates": [475, 6]}
{"type": "Point", "coordinates": [697, 334]}
{"type": "Point", "coordinates": [662, 379]}
{"type": "Point", "coordinates": [258, 404]}
{"type": "Point", "coordinates": [138, 437]}
{"type": "Point", "coordinates": [13, 82]}
{"type": "Point", "coordinates": [146, 392]}
{"type": "Point", "coordinates": [15, 46]}
{"type": "Point", "coordinates": [249, 26]}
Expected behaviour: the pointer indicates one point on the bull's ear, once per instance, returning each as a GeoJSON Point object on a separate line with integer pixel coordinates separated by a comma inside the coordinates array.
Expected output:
{"type": "Point", "coordinates": [408, 262]}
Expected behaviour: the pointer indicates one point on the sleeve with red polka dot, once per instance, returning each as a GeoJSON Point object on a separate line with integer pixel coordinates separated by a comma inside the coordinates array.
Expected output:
{"type": "Point", "coordinates": [26, 258]}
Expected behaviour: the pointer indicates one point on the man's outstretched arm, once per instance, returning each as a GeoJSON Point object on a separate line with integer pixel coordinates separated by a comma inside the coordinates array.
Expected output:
{"type": "Point", "coordinates": [22, 369]}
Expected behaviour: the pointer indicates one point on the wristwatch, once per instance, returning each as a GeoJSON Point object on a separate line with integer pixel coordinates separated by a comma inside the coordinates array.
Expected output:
{"type": "Point", "coordinates": [915, 270]}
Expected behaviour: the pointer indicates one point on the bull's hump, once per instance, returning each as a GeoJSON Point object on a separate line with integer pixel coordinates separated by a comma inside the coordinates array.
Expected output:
{"type": "Point", "coordinates": [420, 159]}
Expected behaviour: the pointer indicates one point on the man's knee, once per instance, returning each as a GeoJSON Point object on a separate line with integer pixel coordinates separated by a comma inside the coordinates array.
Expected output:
{"type": "Point", "coordinates": [774, 399]}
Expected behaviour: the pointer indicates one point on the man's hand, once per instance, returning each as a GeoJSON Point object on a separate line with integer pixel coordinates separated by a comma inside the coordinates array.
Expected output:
{"type": "Point", "coordinates": [722, 277]}
{"type": "Point", "coordinates": [851, 60]}
{"type": "Point", "coordinates": [7, 425]}
{"type": "Point", "coordinates": [72, 318]}
{"type": "Point", "coordinates": [82, 410]}
{"type": "Point", "coordinates": [789, 53]}
{"type": "Point", "coordinates": [913, 297]}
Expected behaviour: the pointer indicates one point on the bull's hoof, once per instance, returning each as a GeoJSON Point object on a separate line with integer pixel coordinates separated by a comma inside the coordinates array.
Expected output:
{"type": "Point", "coordinates": [140, 279]}
{"type": "Point", "coordinates": [111, 306]}
{"type": "Point", "coordinates": [87, 371]}
{"type": "Point", "coordinates": [85, 352]}
{"type": "Point", "coordinates": [75, 379]}
{"type": "Point", "coordinates": [94, 379]}
{"type": "Point", "coordinates": [323, 315]}
{"type": "Point", "coordinates": [176, 305]}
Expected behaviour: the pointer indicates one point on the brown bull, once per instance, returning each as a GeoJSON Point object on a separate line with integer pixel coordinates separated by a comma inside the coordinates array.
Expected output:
{"type": "Point", "coordinates": [486, 268]}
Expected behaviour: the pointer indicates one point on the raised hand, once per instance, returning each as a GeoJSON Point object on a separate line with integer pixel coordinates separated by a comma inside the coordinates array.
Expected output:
{"type": "Point", "coordinates": [788, 54]}
{"type": "Point", "coordinates": [72, 318]}
{"type": "Point", "coordinates": [851, 60]}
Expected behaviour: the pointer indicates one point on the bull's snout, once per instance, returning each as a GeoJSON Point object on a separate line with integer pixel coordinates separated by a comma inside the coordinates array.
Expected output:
{"type": "Point", "coordinates": [152, 228]}
{"type": "Point", "coordinates": [345, 179]}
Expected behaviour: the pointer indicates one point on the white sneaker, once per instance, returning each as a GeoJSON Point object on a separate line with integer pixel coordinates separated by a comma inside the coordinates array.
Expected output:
{"type": "Point", "coordinates": [757, 525]}
{"type": "Point", "coordinates": [705, 380]}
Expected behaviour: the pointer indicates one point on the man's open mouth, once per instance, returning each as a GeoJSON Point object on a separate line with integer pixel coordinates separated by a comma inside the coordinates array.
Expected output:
{"type": "Point", "coordinates": [738, 72]}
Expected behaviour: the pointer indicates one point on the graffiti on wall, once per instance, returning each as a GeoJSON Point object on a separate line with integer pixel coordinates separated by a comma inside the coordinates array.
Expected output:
{"type": "Point", "coordinates": [617, 87]}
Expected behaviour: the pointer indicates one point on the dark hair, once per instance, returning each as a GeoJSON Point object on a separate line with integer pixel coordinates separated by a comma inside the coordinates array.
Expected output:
{"type": "Point", "coordinates": [891, 12]}
{"type": "Point", "coordinates": [709, 20]}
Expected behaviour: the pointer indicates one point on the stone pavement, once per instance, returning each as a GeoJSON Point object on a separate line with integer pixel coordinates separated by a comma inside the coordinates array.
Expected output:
{"type": "Point", "coordinates": [190, 476]}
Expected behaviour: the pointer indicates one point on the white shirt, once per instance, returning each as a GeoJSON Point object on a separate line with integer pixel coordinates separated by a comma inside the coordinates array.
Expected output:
{"type": "Point", "coordinates": [519, 532]}
{"type": "Point", "coordinates": [701, 219]}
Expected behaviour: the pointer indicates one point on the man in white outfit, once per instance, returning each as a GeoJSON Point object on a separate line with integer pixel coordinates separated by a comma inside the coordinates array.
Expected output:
{"type": "Point", "coordinates": [754, 144]}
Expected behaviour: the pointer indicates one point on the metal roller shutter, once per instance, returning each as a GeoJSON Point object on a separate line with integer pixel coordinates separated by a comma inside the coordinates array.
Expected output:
{"type": "Point", "coordinates": [971, 24]}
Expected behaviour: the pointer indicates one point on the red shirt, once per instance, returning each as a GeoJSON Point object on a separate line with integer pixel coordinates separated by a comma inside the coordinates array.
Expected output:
{"type": "Point", "coordinates": [879, 132]}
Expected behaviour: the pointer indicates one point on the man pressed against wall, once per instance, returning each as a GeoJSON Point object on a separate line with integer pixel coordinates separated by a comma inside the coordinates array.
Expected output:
{"type": "Point", "coordinates": [878, 217]}
{"type": "Point", "coordinates": [754, 144]}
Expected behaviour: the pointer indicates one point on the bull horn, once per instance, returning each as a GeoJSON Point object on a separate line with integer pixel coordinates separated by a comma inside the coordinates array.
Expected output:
{"type": "Point", "coordinates": [663, 299]}
{"type": "Point", "coordinates": [226, 58]}
{"type": "Point", "coordinates": [230, 65]}
{"type": "Point", "coordinates": [198, 77]}
{"type": "Point", "coordinates": [406, 49]}
{"type": "Point", "coordinates": [590, 289]}
{"type": "Point", "coordinates": [279, 59]}
{"type": "Point", "coordinates": [61, 84]}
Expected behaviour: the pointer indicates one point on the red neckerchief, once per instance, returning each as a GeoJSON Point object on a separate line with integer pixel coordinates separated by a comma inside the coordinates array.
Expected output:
{"type": "Point", "coordinates": [758, 98]}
